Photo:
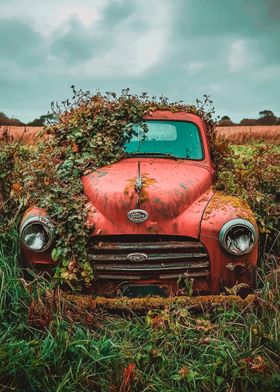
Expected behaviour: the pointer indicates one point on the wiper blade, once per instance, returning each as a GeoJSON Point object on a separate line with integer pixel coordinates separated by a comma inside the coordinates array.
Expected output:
{"type": "Point", "coordinates": [165, 155]}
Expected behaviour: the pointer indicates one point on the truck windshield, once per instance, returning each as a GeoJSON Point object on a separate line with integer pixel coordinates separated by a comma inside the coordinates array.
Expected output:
{"type": "Point", "coordinates": [180, 139]}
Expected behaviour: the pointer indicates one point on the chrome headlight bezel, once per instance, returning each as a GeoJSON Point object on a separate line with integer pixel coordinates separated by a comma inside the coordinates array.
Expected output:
{"type": "Point", "coordinates": [234, 224]}
{"type": "Point", "coordinates": [47, 225]}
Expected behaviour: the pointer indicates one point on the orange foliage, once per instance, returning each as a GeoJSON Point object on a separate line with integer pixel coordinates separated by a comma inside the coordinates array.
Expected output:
{"type": "Point", "coordinates": [128, 375]}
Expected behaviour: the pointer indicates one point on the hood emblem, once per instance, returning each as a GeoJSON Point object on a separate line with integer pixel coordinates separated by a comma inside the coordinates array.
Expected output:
{"type": "Point", "coordinates": [137, 216]}
{"type": "Point", "coordinates": [137, 257]}
{"type": "Point", "coordinates": [138, 183]}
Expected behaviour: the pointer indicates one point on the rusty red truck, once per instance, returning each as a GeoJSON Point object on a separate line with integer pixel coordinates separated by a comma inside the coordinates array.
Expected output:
{"type": "Point", "coordinates": [159, 224]}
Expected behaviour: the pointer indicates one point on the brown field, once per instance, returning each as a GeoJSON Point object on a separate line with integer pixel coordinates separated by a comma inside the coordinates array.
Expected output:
{"type": "Point", "coordinates": [248, 134]}
{"type": "Point", "coordinates": [234, 135]}
{"type": "Point", "coordinates": [24, 135]}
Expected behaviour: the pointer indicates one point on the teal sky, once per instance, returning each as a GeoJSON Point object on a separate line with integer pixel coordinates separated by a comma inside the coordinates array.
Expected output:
{"type": "Point", "coordinates": [183, 49]}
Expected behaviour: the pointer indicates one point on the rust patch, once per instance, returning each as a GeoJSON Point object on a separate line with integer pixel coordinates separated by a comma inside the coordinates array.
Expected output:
{"type": "Point", "coordinates": [143, 196]}
{"type": "Point", "coordinates": [222, 202]}
{"type": "Point", "coordinates": [153, 228]}
{"type": "Point", "coordinates": [147, 303]}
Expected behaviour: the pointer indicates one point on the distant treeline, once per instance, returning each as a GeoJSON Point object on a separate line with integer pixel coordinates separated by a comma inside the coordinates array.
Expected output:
{"type": "Point", "coordinates": [37, 122]}
{"type": "Point", "coordinates": [266, 117]}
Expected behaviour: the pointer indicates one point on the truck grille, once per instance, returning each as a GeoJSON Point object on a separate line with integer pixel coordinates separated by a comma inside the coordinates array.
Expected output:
{"type": "Point", "coordinates": [164, 257]}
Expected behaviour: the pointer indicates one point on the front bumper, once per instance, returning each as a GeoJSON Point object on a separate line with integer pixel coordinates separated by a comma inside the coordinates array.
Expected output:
{"type": "Point", "coordinates": [89, 303]}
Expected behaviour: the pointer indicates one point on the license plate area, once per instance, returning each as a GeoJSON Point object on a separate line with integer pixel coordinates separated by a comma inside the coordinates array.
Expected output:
{"type": "Point", "coordinates": [140, 291]}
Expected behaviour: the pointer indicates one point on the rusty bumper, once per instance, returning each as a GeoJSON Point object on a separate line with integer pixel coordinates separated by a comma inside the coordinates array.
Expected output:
{"type": "Point", "coordinates": [87, 302]}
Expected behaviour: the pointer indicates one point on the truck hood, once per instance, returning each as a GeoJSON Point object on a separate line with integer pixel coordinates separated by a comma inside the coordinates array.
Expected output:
{"type": "Point", "coordinates": [169, 188]}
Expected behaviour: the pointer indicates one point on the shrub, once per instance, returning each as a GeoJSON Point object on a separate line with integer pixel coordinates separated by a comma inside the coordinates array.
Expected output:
{"type": "Point", "coordinates": [254, 175]}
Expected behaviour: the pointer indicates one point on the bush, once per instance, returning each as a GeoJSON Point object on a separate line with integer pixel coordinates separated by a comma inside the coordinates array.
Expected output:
{"type": "Point", "coordinates": [253, 174]}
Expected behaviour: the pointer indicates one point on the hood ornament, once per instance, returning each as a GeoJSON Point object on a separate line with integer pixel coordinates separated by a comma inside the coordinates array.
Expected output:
{"type": "Point", "coordinates": [138, 183]}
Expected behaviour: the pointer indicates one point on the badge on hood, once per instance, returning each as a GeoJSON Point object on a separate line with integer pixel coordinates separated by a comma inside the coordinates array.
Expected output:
{"type": "Point", "coordinates": [137, 216]}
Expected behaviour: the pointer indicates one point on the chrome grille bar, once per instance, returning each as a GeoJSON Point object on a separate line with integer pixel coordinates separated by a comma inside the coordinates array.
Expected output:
{"type": "Point", "coordinates": [166, 257]}
{"type": "Point", "coordinates": [151, 267]}
{"type": "Point", "coordinates": [152, 257]}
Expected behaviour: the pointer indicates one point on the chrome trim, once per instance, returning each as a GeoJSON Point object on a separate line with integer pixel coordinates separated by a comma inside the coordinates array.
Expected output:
{"type": "Point", "coordinates": [235, 223]}
{"type": "Point", "coordinates": [38, 220]}
{"type": "Point", "coordinates": [138, 183]}
{"type": "Point", "coordinates": [137, 257]}
{"type": "Point", "coordinates": [168, 257]}
{"type": "Point", "coordinates": [137, 216]}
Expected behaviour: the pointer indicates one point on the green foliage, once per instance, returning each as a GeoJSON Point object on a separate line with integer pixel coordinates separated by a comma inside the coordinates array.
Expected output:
{"type": "Point", "coordinates": [12, 199]}
{"type": "Point", "coordinates": [253, 174]}
{"type": "Point", "coordinates": [42, 120]}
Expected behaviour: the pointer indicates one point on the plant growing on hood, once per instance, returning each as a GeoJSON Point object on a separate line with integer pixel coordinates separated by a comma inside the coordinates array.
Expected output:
{"type": "Point", "coordinates": [87, 132]}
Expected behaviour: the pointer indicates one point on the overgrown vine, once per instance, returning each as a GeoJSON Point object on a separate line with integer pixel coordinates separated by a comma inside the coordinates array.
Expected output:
{"type": "Point", "coordinates": [88, 131]}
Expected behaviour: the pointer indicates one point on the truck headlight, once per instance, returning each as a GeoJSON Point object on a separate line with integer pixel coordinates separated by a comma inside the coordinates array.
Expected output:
{"type": "Point", "coordinates": [37, 233]}
{"type": "Point", "coordinates": [238, 236]}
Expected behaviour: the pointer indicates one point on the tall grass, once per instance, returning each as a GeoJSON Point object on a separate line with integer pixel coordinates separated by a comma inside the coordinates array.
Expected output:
{"type": "Point", "coordinates": [250, 134]}
{"type": "Point", "coordinates": [173, 349]}
{"type": "Point", "coordinates": [21, 134]}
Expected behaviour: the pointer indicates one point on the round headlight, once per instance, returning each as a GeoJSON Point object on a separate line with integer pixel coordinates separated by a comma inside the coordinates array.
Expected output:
{"type": "Point", "coordinates": [37, 233]}
{"type": "Point", "coordinates": [238, 237]}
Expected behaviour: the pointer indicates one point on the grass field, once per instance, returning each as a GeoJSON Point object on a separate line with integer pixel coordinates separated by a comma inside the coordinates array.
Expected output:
{"type": "Point", "coordinates": [172, 349]}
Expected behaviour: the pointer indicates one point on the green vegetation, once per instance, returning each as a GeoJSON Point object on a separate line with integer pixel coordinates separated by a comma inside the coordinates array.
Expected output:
{"type": "Point", "coordinates": [253, 174]}
{"type": "Point", "coordinates": [173, 349]}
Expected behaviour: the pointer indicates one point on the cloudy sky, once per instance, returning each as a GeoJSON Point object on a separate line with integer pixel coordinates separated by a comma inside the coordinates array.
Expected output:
{"type": "Point", "coordinates": [179, 48]}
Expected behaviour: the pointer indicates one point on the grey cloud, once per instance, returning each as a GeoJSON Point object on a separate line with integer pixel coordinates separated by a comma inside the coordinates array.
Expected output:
{"type": "Point", "coordinates": [116, 12]}
{"type": "Point", "coordinates": [20, 43]}
{"type": "Point", "coordinates": [238, 18]}
{"type": "Point", "coordinates": [273, 8]}
{"type": "Point", "coordinates": [81, 43]}
{"type": "Point", "coordinates": [267, 48]}
{"type": "Point", "coordinates": [202, 32]}
{"type": "Point", "coordinates": [76, 45]}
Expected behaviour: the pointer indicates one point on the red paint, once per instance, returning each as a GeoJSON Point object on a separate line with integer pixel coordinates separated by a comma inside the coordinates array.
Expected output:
{"type": "Point", "coordinates": [176, 194]}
